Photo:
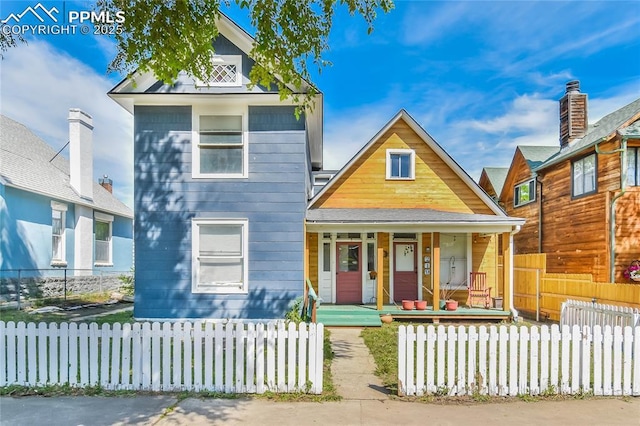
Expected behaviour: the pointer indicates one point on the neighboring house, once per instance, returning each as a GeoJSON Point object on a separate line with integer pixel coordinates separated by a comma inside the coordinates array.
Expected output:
{"type": "Point", "coordinates": [54, 216]}
{"type": "Point", "coordinates": [222, 178]}
{"type": "Point", "coordinates": [518, 193]}
{"type": "Point", "coordinates": [492, 180]}
{"type": "Point", "coordinates": [582, 204]}
{"type": "Point", "coordinates": [404, 201]}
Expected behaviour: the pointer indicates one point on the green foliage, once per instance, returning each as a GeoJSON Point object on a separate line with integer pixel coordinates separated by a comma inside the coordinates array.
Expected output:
{"type": "Point", "coordinates": [128, 282]}
{"type": "Point", "coordinates": [294, 314]}
{"type": "Point", "coordinates": [383, 345]}
{"type": "Point", "coordinates": [169, 36]}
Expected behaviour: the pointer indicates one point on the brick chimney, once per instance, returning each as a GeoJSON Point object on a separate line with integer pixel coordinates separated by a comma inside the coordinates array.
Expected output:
{"type": "Point", "coordinates": [106, 183]}
{"type": "Point", "coordinates": [573, 114]}
{"type": "Point", "coordinates": [81, 152]}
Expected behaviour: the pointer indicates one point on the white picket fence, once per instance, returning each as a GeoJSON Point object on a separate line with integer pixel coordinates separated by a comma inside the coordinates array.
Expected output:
{"type": "Point", "coordinates": [233, 358]}
{"type": "Point", "coordinates": [576, 312]}
{"type": "Point", "coordinates": [510, 360]}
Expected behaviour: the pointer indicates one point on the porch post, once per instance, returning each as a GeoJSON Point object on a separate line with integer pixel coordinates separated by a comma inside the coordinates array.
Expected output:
{"type": "Point", "coordinates": [435, 270]}
{"type": "Point", "coordinates": [506, 271]}
{"type": "Point", "coordinates": [380, 279]}
{"type": "Point", "coordinates": [306, 253]}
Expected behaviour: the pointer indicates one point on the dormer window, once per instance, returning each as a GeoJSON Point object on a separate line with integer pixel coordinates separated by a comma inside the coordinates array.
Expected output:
{"type": "Point", "coordinates": [524, 193]}
{"type": "Point", "coordinates": [227, 71]}
{"type": "Point", "coordinates": [401, 164]}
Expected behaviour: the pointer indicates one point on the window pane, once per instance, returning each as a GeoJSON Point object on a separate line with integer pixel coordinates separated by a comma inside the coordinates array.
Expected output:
{"type": "Point", "coordinates": [632, 169]}
{"type": "Point", "coordinates": [371, 257]}
{"type": "Point", "coordinates": [395, 165]}
{"type": "Point", "coordinates": [405, 258]}
{"type": "Point", "coordinates": [102, 251]}
{"type": "Point", "coordinates": [221, 138]}
{"type": "Point", "coordinates": [221, 160]}
{"type": "Point", "coordinates": [220, 271]}
{"type": "Point", "coordinates": [220, 123]}
{"type": "Point", "coordinates": [56, 245]}
{"type": "Point", "coordinates": [589, 170]}
{"type": "Point", "coordinates": [56, 225]}
{"type": "Point", "coordinates": [405, 165]}
{"type": "Point", "coordinates": [102, 231]}
{"type": "Point", "coordinates": [349, 258]}
{"type": "Point", "coordinates": [220, 240]}
{"type": "Point", "coordinates": [326, 257]}
{"type": "Point", "coordinates": [578, 178]}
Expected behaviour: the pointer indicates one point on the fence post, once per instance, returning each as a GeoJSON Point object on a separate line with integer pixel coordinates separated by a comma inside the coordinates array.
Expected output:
{"type": "Point", "coordinates": [537, 295]}
{"type": "Point", "coordinates": [19, 288]}
{"type": "Point", "coordinates": [65, 284]}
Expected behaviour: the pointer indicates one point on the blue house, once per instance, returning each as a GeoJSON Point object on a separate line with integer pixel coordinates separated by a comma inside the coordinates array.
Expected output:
{"type": "Point", "coordinates": [222, 176]}
{"type": "Point", "coordinates": [54, 215]}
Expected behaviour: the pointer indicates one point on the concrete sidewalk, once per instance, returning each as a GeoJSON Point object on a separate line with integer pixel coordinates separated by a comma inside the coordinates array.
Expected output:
{"type": "Point", "coordinates": [365, 402]}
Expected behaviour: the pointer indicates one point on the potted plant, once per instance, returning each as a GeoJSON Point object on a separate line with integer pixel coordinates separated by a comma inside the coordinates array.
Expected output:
{"type": "Point", "coordinates": [633, 271]}
{"type": "Point", "coordinates": [446, 301]}
{"type": "Point", "coordinates": [408, 305]}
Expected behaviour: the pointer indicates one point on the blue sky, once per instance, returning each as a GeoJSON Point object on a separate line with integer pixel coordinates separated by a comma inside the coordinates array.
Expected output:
{"type": "Point", "coordinates": [480, 77]}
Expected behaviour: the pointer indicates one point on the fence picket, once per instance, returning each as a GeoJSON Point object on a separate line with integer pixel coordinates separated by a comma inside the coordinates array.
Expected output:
{"type": "Point", "coordinates": [607, 349]}
{"type": "Point", "coordinates": [636, 362]}
{"type": "Point", "coordinates": [280, 357]}
{"type": "Point", "coordinates": [409, 371]}
{"type": "Point", "coordinates": [626, 360]}
{"type": "Point", "coordinates": [198, 335]}
{"type": "Point", "coordinates": [32, 355]}
{"type": "Point", "coordinates": [585, 362]}
{"type": "Point", "coordinates": [260, 339]}
{"type": "Point", "coordinates": [83, 354]}
{"type": "Point", "coordinates": [4, 367]}
{"type": "Point", "coordinates": [251, 359]}
{"type": "Point", "coordinates": [127, 336]}
{"type": "Point", "coordinates": [291, 357]}
{"type": "Point", "coordinates": [420, 338]}
{"type": "Point", "coordinates": [156, 357]}
{"type": "Point", "coordinates": [430, 356]}
{"type": "Point", "coordinates": [318, 354]}
{"type": "Point", "coordinates": [105, 341]}
{"type": "Point", "coordinates": [208, 356]}
{"type": "Point", "coordinates": [187, 347]}
{"type": "Point", "coordinates": [545, 339]}
{"type": "Point", "coordinates": [239, 361]}
{"type": "Point", "coordinates": [575, 359]}
{"type": "Point", "coordinates": [482, 379]}
{"type": "Point", "coordinates": [534, 384]}
{"type": "Point", "coordinates": [451, 359]}
{"type": "Point", "coordinates": [617, 360]}
{"type": "Point", "coordinates": [565, 346]}
{"type": "Point", "coordinates": [74, 349]}
{"type": "Point", "coordinates": [271, 357]}
{"type": "Point", "coordinates": [442, 361]}
{"type": "Point", "coordinates": [461, 388]}
{"type": "Point", "coordinates": [43, 356]}
{"type": "Point", "coordinates": [494, 385]}
{"type": "Point", "coordinates": [523, 357]}
{"type": "Point", "coordinates": [116, 341]}
{"type": "Point", "coordinates": [219, 357]}
{"type": "Point", "coordinates": [303, 336]}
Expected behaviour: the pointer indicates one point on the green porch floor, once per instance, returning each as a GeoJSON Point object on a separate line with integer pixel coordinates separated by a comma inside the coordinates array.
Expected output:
{"type": "Point", "coordinates": [368, 316]}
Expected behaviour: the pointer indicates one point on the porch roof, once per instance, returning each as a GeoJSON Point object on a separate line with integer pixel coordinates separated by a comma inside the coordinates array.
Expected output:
{"type": "Point", "coordinates": [405, 217]}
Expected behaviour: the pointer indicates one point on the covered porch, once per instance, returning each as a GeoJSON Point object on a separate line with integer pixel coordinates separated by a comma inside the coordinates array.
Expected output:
{"type": "Point", "coordinates": [365, 262]}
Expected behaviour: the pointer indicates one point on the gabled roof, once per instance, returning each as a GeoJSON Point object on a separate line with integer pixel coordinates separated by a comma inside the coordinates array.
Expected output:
{"type": "Point", "coordinates": [537, 155]}
{"type": "Point", "coordinates": [136, 86]}
{"type": "Point", "coordinates": [496, 176]}
{"type": "Point", "coordinates": [427, 139]}
{"type": "Point", "coordinates": [25, 163]}
{"type": "Point", "coordinates": [602, 129]}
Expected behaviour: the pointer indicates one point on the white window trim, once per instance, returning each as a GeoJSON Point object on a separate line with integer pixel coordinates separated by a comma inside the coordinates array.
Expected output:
{"type": "Point", "coordinates": [195, 140]}
{"type": "Point", "coordinates": [531, 199]}
{"type": "Point", "coordinates": [61, 207]}
{"type": "Point", "coordinates": [108, 219]}
{"type": "Point", "coordinates": [412, 153]}
{"type": "Point", "coordinates": [225, 60]}
{"type": "Point", "coordinates": [242, 288]}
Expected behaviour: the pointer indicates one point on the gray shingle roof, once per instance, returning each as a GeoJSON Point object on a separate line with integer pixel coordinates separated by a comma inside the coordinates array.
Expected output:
{"type": "Point", "coordinates": [497, 176]}
{"type": "Point", "coordinates": [25, 164]}
{"type": "Point", "coordinates": [537, 155]}
{"type": "Point", "coordinates": [390, 216]}
{"type": "Point", "coordinates": [606, 126]}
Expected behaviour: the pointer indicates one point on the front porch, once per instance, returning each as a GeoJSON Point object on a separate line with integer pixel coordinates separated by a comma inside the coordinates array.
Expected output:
{"type": "Point", "coordinates": [369, 315]}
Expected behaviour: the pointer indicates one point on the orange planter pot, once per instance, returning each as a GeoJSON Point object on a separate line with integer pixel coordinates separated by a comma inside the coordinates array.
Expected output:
{"type": "Point", "coordinates": [408, 305]}
{"type": "Point", "coordinates": [451, 305]}
{"type": "Point", "coordinates": [421, 305]}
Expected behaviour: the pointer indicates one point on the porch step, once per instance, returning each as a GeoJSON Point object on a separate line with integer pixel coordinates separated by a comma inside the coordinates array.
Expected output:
{"type": "Point", "coordinates": [349, 317]}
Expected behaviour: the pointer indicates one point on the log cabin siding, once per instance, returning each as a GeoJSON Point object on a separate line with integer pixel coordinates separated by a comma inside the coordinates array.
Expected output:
{"type": "Point", "coordinates": [525, 241]}
{"type": "Point", "coordinates": [627, 231]}
{"type": "Point", "coordinates": [436, 186]}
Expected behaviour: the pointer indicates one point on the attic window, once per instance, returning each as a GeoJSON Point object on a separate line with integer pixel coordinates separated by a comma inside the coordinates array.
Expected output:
{"type": "Point", "coordinates": [524, 193]}
{"type": "Point", "coordinates": [401, 164]}
{"type": "Point", "coordinates": [227, 71]}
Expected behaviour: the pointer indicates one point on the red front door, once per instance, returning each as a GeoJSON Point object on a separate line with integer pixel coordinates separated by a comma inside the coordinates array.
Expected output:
{"type": "Point", "coordinates": [405, 271]}
{"type": "Point", "coordinates": [349, 273]}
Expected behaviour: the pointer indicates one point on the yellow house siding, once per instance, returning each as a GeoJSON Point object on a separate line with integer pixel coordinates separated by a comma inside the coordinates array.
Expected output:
{"type": "Point", "coordinates": [312, 246]}
{"type": "Point", "coordinates": [484, 259]}
{"type": "Point", "coordinates": [436, 185]}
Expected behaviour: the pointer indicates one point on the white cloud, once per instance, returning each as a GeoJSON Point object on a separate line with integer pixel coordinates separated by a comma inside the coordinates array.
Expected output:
{"type": "Point", "coordinates": [39, 85]}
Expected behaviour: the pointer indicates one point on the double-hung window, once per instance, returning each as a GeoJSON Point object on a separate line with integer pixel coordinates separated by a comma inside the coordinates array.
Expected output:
{"type": "Point", "coordinates": [103, 248]}
{"type": "Point", "coordinates": [401, 164]}
{"type": "Point", "coordinates": [220, 149]}
{"type": "Point", "coordinates": [219, 250]}
{"type": "Point", "coordinates": [524, 193]}
{"type": "Point", "coordinates": [633, 166]}
{"type": "Point", "coordinates": [58, 252]}
{"type": "Point", "coordinates": [584, 176]}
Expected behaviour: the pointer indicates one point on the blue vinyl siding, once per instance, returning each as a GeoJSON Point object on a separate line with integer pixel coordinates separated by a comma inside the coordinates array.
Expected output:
{"type": "Point", "coordinates": [272, 199]}
{"type": "Point", "coordinates": [26, 221]}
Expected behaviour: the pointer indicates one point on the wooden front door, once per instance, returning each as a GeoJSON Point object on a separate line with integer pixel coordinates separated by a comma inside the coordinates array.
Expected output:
{"type": "Point", "coordinates": [349, 273]}
{"type": "Point", "coordinates": [405, 271]}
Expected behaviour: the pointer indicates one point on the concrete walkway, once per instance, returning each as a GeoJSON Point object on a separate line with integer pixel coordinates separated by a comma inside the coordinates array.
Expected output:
{"type": "Point", "coordinates": [353, 367]}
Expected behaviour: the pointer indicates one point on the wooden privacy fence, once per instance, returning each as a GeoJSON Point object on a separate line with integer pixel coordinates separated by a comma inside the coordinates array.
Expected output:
{"type": "Point", "coordinates": [510, 360]}
{"type": "Point", "coordinates": [576, 312]}
{"type": "Point", "coordinates": [233, 358]}
{"type": "Point", "coordinates": [541, 293]}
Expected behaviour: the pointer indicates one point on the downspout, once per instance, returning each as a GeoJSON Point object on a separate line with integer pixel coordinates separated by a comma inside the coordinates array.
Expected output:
{"type": "Point", "coordinates": [539, 215]}
{"type": "Point", "coordinates": [514, 312]}
{"type": "Point", "coordinates": [612, 207]}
